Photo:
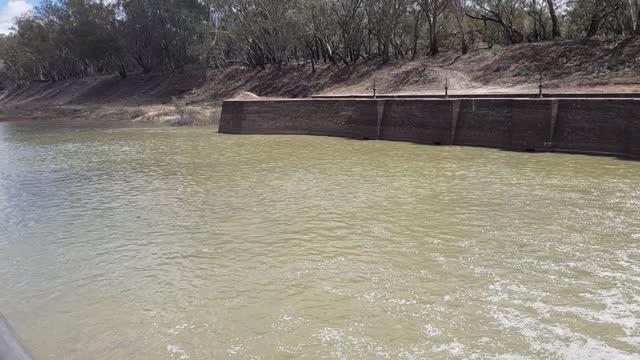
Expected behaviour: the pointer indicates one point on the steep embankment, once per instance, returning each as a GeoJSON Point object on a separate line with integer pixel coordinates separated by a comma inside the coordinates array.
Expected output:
{"type": "Point", "coordinates": [568, 66]}
{"type": "Point", "coordinates": [583, 66]}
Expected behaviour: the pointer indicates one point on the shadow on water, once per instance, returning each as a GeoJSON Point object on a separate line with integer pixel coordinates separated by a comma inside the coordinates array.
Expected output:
{"type": "Point", "coordinates": [529, 151]}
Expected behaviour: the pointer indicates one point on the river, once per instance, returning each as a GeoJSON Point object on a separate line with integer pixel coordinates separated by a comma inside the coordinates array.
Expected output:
{"type": "Point", "coordinates": [124, 242]}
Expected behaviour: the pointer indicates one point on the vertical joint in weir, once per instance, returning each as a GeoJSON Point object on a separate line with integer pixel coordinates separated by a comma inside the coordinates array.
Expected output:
{"type": "Point", "coordinates": [455, 113]}
{"type": "Point", "coordinates": [380, 107]}
{"type": "Point", "coordinates": [552, 125]}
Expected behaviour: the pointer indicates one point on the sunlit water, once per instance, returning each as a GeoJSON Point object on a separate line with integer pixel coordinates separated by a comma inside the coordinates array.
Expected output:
{"type": "Point", "coordinates": [157, 243]}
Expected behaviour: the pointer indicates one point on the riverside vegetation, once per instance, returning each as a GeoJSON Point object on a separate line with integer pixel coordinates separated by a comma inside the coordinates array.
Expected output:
{"type": "Point", "coordinates": [199, 51]}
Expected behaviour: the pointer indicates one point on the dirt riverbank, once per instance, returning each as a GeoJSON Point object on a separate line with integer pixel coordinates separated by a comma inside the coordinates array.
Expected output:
{"type": "Point", "coordinates": [585, 66]}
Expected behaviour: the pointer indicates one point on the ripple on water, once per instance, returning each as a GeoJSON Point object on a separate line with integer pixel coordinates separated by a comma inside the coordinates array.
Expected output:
{"type": "Point", "coordinates": [183, 243]}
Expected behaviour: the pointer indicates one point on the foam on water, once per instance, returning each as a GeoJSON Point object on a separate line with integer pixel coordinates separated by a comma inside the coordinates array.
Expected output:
{"type": "Point", "coordinates": [548, 338]}
{"type": "Point", "coordinates": [177, 352]}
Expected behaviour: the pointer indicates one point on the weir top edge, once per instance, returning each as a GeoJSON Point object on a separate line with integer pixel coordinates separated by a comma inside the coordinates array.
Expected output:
{"type": "Point", "coordinates": [454, 95]}
{"type": "Point", "coordinates": [598, 97]}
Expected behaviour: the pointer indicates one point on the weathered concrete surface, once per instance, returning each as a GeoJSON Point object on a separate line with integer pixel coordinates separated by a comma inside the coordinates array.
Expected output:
{"type": "Point", "coordinates": [485, 123]}
{"type": "Point", "coordinates": [531, 125]}
{"type": "Point", "coordinates": [348, 118]}
{"type": "Point", "coordinates": [418, 121]}
{"type": "Point", "coordinates": [594, 126]}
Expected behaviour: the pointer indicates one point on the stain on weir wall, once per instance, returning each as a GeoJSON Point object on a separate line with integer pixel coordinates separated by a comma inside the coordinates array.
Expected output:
{"type": "Point", "coordinates": [596, 126]}
{"type": "Point", "coordinates": [418, 121]}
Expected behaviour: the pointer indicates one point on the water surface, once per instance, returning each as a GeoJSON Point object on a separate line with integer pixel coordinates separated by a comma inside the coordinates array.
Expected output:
{"type": "Point", "coordinates": [158, 243]}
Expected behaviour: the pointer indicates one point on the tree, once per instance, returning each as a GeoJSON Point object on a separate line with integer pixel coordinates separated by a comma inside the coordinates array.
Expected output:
{"type": "Point", "coordinates": [350, 19]}
{"type": "Point", "coordinates": [596, 12]}
{"type": "Point", "coordinates": [416, 10]}
{"type": "Point", "coordinates": [599, 13]}
{"type": "Point", "coordinates": [459, 13]}
{"type": "Point", "coordinates": [62, 39]}
{"type": "Point", "coordinates": [384, 18]}
{"type": "Point", "coordinates": [634, 12]}
{"type": "Point", "coordinates": [502, 12]}
{"type": "Point", "coordinates": [158, 33]}
{"type": "Point", "coordinates": [433, 9]}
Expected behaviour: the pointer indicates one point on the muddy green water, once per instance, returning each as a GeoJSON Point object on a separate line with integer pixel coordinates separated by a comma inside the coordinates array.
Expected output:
{"type": "Point", "coordinates": [157, 243]}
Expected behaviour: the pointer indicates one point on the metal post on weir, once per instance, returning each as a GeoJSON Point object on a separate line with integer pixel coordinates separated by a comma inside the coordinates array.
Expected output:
{"type": "Point", "coordinates": [446, 87]}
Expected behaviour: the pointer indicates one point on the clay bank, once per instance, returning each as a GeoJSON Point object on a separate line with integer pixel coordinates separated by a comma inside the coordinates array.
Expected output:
{"type": "Point", "coordinates": [590, 124]}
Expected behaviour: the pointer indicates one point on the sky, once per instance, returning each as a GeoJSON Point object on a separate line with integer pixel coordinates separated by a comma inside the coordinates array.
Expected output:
{"type": "Point", "coordinates": [10, 9]}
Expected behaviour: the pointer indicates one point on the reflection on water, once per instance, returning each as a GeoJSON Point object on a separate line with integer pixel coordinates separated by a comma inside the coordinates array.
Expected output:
{"type": "Point", "coordinates": [154, 243]}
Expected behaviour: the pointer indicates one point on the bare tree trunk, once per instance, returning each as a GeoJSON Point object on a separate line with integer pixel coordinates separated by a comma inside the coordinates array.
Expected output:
{"type": "Point", "coordinates": [416, 35]}
{"type": "Point", "coordinates": [554, 20]}
{"type": "Point", "coordinates": [594, 26]}
{"type": "Point", "coordinates": [634, 8]}
{"type": "Point", "coordinates": [433, 9]}
{"type": "Point", "coordinates": [122, 70]}
{"type": "Point", "coordinates": [534, 11]}
{"type": "Point", "coordinates": [463, 36]}
{"type": "Point", "coordinates": [385, 51]}
{"type": "Point", "coordinates": [433, 37]}
{"type": "Point", "coordinates": [459, 7]}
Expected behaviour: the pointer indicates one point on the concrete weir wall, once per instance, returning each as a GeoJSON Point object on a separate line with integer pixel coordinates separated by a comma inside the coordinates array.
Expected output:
{"type": "Point", "coordinates": [587, 125]}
